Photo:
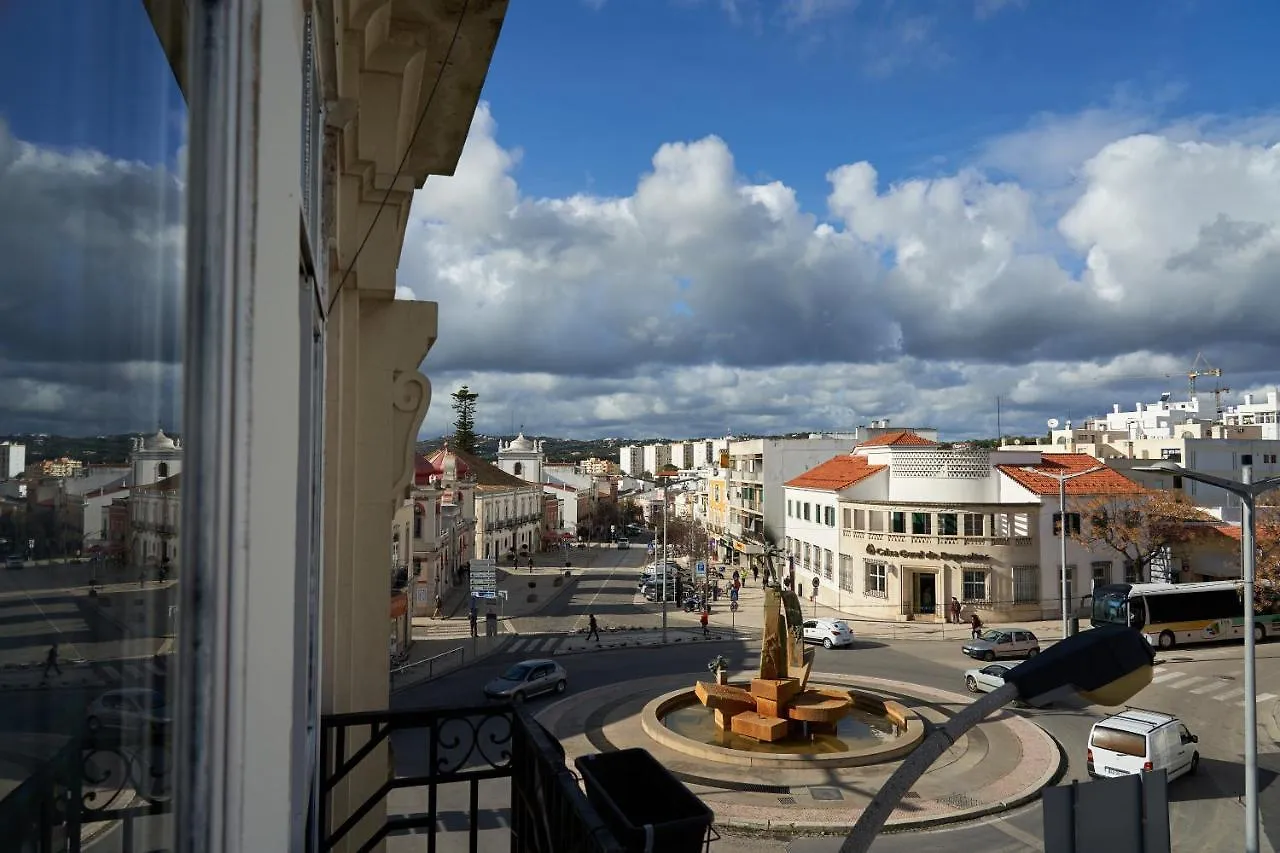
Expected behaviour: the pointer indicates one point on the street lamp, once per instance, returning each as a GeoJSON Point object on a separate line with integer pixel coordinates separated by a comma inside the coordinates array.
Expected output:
{"type": "Point", "coordinates": [1248, 492]}
{"type": "Point", "coordinates": [1107, 666]}
{"type": "Point", "coordinates": [1062, 531]}
{"type": "Point", "coordinates": [667, 482]}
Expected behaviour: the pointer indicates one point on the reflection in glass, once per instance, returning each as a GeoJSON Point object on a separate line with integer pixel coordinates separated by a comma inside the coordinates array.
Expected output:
{"type": "Point", "coordinates": [92, 147]}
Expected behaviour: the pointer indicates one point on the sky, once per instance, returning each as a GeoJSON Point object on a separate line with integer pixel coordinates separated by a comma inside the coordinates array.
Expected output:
{"type": "Point", "coordinates": [689, 218]}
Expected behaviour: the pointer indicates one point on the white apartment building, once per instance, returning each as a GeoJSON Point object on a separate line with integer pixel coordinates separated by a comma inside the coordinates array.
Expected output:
{"type": "Point", "coordinates": [908, 525]}
{"type": "Point", "coordinates": [594, 467]}
{"type": "Point", "coordinates": [631, 460]}
{"type": "Point", "coordinates": [683, 455]}
{"type": "Point", "coordinates": [755, 504]}
{"type": "Point", "coordinates": [656, 457]}
{"type": "Point", "coordinates": [573, 503]}
{"type": "Point", "coordinates": [13, 459]}
{"type": "Point", "coordinates": [1263, 413]}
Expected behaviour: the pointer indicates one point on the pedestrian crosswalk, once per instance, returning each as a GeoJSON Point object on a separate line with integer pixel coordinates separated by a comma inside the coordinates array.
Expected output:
{"type": "Point", "coordinates": [131, 673]}
{"type": "Point", "coordinates": [1222, 688]}
{"type": "Point", "coordinates": [554, 644]}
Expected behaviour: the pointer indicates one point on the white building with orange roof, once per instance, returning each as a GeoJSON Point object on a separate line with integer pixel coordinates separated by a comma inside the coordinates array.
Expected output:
{"type": "Point", "coordinates": [909, 524]}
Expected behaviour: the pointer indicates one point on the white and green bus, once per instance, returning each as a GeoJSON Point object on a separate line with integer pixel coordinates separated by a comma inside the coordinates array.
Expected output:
{"type": "Point", "coordinates": [1173, 614]}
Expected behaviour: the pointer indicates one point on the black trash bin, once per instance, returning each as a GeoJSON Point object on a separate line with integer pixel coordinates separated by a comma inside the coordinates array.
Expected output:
{"type": "Point", "coordinates": [648, 809]}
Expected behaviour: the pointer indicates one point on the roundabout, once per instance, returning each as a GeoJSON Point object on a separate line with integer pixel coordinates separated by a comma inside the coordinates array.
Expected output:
{"type": "Point", "coordinates": [1002, 763]}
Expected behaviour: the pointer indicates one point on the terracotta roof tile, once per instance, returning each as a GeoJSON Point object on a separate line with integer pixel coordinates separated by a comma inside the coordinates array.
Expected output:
{"type": "Point", "coordinates": [901, 438]}
{"type": "Point", "coordinates": [835, 474]}
{"type": "Point", "coordinates": [1105, 482]}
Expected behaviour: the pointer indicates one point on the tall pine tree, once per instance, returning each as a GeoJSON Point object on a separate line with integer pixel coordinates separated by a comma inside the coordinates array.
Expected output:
{"type": "Point", "coordinates": [464, 427]}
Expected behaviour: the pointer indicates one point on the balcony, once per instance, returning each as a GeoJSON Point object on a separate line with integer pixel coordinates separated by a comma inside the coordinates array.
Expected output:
{"type": "Point", "coordinates": [88, 786]}
{"type": "Point", "coordinates": [746, 476]}
{"type": "Point", "coordinates": [456, 746]}
{"type": "Point", "coordinates": [910, 539]}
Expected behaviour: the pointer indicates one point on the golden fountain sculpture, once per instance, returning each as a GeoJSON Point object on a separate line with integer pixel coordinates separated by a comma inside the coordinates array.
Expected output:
{"type": "Point", "coordinates": [779, 703]}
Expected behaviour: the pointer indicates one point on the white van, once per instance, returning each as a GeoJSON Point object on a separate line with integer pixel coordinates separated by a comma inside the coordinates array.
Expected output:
{"type": "Point", "coordinates": [1138, 741]}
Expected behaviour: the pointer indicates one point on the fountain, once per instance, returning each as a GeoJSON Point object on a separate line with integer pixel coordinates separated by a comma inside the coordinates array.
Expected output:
{"type": "Point", "coordinates": [779, 704]}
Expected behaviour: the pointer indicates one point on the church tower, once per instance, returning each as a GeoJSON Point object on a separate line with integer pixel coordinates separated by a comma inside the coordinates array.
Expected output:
{"type": "Point", "coordinates": [522, 457]}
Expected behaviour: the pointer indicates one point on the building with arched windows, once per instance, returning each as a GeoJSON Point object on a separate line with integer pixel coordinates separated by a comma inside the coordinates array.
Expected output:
{"type": "Point", "coordinates": [508, 509]}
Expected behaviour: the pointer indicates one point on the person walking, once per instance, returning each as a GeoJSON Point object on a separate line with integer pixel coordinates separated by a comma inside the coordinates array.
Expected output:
{"type": "Point", "coordinates": [593, 627]}
{"type": "Point", "coordinates": [51, 662]}
{"type": "Point", "coordinates": [475, 618]}
{"type": "Point", "coordinates": [755, 573]}
{"type": "Point", "coordinates": [975, 626]}
{"type": "Point", "coordinates": [955, 610]}
{"type": "Point", "coordinates": [439, 612]}
{"type": "Point", "coordinates": [703, 619]}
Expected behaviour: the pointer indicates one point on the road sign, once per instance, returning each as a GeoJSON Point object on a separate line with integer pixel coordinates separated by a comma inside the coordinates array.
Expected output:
{"type": "Point", "coordinates": [484, 578]}
{"type": "Point", "coordinates": [700, 570]}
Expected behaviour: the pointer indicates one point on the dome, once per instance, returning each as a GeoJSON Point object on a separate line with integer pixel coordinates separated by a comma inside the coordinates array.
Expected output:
{"type": "Point", "coordinates": [449, 464]}
{"type": "Point", "coordinates": [424, 470]}
{"type": "Point", "coordinates": [520, 443]}
{"type": "Point", "coordinates": [159, 441]}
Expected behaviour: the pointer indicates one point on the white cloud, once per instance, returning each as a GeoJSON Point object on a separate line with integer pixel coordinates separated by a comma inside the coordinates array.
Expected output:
{"type": "Point", "coordinates": [703, 299]}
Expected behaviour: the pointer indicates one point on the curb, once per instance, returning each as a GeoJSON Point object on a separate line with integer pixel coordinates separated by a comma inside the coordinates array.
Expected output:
{"type": "Point", "coordinates": [1272, 724]}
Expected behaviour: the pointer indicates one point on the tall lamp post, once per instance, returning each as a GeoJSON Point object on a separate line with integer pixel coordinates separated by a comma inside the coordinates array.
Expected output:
{"type": "Point", "coordinates": [662, 561]}
{"type": "Point", "coordinates": [1062, 533]}
{"type": "Point", "coordinates": [1248, 492]}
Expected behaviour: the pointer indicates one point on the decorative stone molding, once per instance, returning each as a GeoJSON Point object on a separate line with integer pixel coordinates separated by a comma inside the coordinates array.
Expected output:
{"type": "Point", "coordinates": [411, 397]}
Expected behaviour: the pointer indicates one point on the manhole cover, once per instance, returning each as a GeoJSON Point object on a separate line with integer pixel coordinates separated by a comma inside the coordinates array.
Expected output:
{"type": "Point", "coordinates": [787, 801]}
{"type": "Point", "coordinates": [826, 793]}
{"type": "Point", "coordinates": [911, 795]}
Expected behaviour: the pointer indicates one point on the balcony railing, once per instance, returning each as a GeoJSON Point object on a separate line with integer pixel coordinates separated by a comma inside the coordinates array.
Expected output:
{"type": "Point", "coordinates": [91, 782]}
{"type": "Point", "coordinates": [458, 746]}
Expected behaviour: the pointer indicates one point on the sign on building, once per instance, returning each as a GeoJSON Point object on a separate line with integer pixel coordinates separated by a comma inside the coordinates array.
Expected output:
{"type": "Point", "coordinates": [700, 570]}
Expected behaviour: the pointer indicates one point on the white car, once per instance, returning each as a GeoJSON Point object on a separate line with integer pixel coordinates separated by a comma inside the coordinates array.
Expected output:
{"type": "Point", "coordinates": [988, 678]}
{"type": "Point", "coordinates": [1141, 741]}
{"type": "Point", "coordinates": [829, 632]}
{"type": "Point", "coordinates": [129, 709]}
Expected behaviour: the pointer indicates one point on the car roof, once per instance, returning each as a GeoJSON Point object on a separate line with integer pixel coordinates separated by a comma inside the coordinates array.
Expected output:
{"type": "Point", "coordinates": [536, 661]}
{"type": "Point", "coordinates": [1138, 720]}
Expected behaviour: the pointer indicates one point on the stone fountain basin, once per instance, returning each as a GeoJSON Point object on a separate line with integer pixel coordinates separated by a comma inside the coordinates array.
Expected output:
{"type": "Point", "coordinates": [908, 721]}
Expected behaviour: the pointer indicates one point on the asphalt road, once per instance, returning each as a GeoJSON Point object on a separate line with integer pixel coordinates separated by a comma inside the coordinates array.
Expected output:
{"type": "Point", "coordinates": [1200, 686]}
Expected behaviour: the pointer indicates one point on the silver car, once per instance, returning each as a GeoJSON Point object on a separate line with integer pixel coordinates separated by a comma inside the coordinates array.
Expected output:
{"type": "Point", "coordinates": [527, 679]}
{"type": "Point", "coordinates": [1003, 643]}
{"type": "Point", "coordinates": [990, 677]}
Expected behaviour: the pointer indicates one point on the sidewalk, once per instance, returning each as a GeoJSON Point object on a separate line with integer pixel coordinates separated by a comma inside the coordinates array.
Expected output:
{"type": "Point", "coordinates": [750, 614]}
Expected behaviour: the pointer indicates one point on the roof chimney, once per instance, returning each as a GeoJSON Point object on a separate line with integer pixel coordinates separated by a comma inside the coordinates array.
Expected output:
{"type": "Point", "coordinates": [1248, 399]}
{"type": "Point", "coordinates": [1115, 407]}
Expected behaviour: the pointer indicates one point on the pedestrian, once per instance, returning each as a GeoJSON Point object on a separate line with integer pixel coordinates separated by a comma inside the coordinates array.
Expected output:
{"type": "Point", "coordinates": [475, 617]}
{"type": "Point", "coordinates": [439, 612]}
{"type": "Point", "coordinates": [706, 611]}
{"type": "Point", "coordinates": [593, 628]}
{"type": "Point", "coordinates": [755, 573]}
{"type": "Point", "coordinates": [955, 610]}
{"type": "Point", "coordinates": [51, 662]}
{"type": "Point", "coordinates": [975, 625]}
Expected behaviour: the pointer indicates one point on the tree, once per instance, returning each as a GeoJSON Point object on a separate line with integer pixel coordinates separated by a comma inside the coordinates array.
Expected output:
{"type": "Point", "coordinates": [464, 426]}
{"type": "Point", "coordinates": [1266, 588]}
{"type": "Point", "coordinates": [1139, 527]}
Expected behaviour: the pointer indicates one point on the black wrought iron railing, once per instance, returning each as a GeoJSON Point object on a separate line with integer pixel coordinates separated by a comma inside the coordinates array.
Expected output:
{"type": "Point", "coordinates": [89, 786]}
{"type": "Point", "coordinates": [441, 748]}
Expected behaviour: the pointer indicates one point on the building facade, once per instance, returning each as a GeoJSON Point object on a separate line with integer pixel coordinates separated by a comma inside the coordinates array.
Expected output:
{"type": "Point", "coordinates": [631, 460]}
{"type": "Point", "coordinates": [155, 512]}
{"type": "Point", "coordinates": [910, 525]}
{"type": "Point", "coordinates": [13, 459]}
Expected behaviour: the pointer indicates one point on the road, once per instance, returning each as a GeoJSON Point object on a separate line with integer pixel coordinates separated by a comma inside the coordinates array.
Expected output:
{"type": "Point", "coordinates": [1201, 686]}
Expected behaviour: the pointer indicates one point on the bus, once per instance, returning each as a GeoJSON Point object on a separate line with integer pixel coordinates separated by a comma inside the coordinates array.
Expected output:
{"type": "Point", "coordinates": [1171, 614]}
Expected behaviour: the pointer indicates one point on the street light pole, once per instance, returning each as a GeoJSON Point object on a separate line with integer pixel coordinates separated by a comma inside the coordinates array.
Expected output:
{"type": "Point", "coordinates": [1248, 492]}
{"type": "Point", "coordinates": [1062, 534]}
{"type": "Point", "coordinates": [663, 563]}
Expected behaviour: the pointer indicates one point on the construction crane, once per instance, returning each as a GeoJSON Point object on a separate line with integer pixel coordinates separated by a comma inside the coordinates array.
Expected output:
{"type": "Point", "coordinates": [1200, 367]}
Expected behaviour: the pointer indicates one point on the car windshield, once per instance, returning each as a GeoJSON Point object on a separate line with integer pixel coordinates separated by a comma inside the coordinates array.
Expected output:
{"type": "Point", "coordinates": [991, 636]}
{"type": "Point", "coordinates": [519, 672]}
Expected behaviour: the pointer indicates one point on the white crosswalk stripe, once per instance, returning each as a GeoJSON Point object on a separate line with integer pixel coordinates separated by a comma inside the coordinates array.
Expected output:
{"type": "Point", "coordinates": [1212, 687]}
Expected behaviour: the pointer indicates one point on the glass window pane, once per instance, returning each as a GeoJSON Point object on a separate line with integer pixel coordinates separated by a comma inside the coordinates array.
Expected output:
{"type": "Point", "coordinates": [92, 185]}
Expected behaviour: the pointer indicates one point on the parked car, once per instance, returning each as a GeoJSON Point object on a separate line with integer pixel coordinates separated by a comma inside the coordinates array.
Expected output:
{"type": "Point", "coordinates": [527, 679]}
{"type": "Point", "coordinates": [1139, 741]}
{"type": "Point", "coordinates": [129, 709]}
{"type": "Point", "coordinates": [624, 544]}
{"type": "Point", "coordinates": [828, 632]}
{"type": "Point", "coordinates": [13, 561]}
{"type": "Point", "coordinates": [988, 678]}
{"type": "Point", "coordinates": [1003, 643]}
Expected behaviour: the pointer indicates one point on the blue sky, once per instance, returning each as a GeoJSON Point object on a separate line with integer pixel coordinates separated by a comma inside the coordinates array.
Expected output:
{"type": "Point", "coordinates": [92, 76]}
{"type": "Point", "coordinates": [590, 93]}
